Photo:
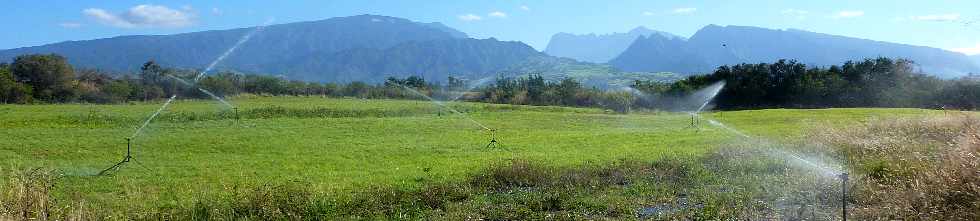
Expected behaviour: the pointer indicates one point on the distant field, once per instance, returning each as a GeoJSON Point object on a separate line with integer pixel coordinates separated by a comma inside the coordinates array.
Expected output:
{"type": "Point", "coordinates": [338, 145]}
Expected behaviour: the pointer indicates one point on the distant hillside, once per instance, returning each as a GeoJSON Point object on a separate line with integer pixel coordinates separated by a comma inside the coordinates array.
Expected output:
{"type": "Point", "coordinates": [597, 48]}
{"type": "Point", "coordinates": [435, 60]}
{"type": "Point", "coordinates": [366, 48]}
{"type": "Point", "coordinates": [976, 59]}
{"type": "Point", "coordinates": [714, 45]}
{"type": "Point", "coordinates": [657, 53]}
{"type": "Point", "coordinates": [300, 43]}
{"type": "Point", "coordinates": [590, 74]}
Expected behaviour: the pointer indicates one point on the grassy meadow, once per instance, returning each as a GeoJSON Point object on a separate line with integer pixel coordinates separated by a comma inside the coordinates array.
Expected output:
{"type": "Point", "coordinates": [387, 158]}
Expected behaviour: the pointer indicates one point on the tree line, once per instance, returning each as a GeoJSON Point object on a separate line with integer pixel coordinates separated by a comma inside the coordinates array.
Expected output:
{"type": "Point", "coordinates": [48, 78]}
{"type": "Point", "coordinates": [880, 82]}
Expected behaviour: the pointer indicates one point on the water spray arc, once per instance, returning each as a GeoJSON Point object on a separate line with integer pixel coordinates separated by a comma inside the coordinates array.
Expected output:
{"type": "Point", "coordinates": [493, 132]}
{"type": "Point", "coordinates": [712, 91]}
{"type": "Point", "coordinates": [824, 170]}
{"type": "Point", "coordinates": [231, 50]}
{"type": "Point", "coordinates": [707, 95]}
{"type": "Point", "coordinates": [437, 102]}
{"type": "Point", "coordinates": [472, 86]}
{"type": "Point", "coordinates": [154, 115]}
{"type": "Point", "coordinates": [139, 130]}
{"type": "Point", "coordinates": [209, 93]}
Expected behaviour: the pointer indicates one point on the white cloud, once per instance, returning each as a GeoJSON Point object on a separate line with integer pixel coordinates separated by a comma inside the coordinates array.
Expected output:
{"type": "Point", "coordinates": [216, 11]}
{"type": "Point", "coordinates": [470, 17]}
{"type": "Point", "coordinates": [525, 8]}
{"type": "Point", "coordinates": [143, 16]}
{"type": "Point", "coordinates": [847, 14]}
{"type": "Point", "coordinates": [975, 50]}
{"type": "Point", "coordinates": [497, 14]}
{"type": "Point", "coordinates": [939, 17]}
{"type": "Point", "coordinates": [684, 10]}
{"type": "Point", "coordinates": [796, 13]}
{"type": "Point", "coordinates": [70, 25]}
{"type": "Point", "coordinates": [648, 13]}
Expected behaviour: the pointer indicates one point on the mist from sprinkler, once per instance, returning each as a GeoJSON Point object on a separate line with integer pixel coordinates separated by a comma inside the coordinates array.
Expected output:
{"type": "Point", "coordinates": [705, 96]}
{"type": "Point", "coordinates": [233, 48]}
{"type": "Point", "coordinates": [812, 164]}
{"type": "Point", "coordinates": [822, 168]}
{"type": "Point", "coordinates": [212, 95]}
{"type": "Point", "coordinates": [493, 132]}
{"type": "Point", "coordinates": [440, 104]}
{"type": "Point", "coordinates": [472, 86]}
{"type": "Point", "coordinates": [709, 93]}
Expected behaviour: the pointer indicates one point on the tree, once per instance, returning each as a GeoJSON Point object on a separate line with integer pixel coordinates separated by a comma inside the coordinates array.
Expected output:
{"type": "Point", "coordinates": [49, 76]}
{"type": "Point", "coordinates": [219, 84]}
{"type": "Point", "coordinates": [12, 91]}
{"type": "Point", "coordinates": [454, 83]}
{"type": "Point", "coordinates": [152, 73]}
{"type": "Point", "coordinates": [567, 90]}
{"type": "Point", "coordinates": [117, 90]}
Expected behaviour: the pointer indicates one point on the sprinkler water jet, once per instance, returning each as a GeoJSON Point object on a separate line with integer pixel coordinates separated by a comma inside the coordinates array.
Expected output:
{"type": "Point", "coordinates": [493, 139]}
{"type": "Point", "coordinates": [139, 129]}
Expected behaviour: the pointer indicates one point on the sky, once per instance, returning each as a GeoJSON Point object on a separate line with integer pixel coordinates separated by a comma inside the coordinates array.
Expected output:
{"type": "Point", "coordinates": [950, 24]}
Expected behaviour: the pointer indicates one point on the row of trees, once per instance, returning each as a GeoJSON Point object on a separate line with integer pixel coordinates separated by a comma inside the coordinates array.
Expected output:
{"type": "Point", "coordinates": [50, 79]}
{"type": "Point", "coordinates": [880, 82]}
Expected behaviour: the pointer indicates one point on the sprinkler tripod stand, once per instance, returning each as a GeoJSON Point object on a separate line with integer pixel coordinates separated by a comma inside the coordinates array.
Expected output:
{"type": "Point", "coordinates": [129, 156]}
{"type": "Point", "coordinates": [493, 138]}
{"type": "Point", "coordinates": [238, 118]}
{"type": "Point", "coordinates": [843, 196]}
{"type": "Point", "coordinates": [695, 121]}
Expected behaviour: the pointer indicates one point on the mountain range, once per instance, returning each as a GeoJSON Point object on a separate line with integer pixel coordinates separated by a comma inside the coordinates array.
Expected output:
{"type": "Point", "coordinates": [356, 48]}
{"type": "Point", "coordinates": [714, 45]}
{"type": "Point", "coordinates": [371, 48]}
{"type": "Point", "coordinates": [598, 48]}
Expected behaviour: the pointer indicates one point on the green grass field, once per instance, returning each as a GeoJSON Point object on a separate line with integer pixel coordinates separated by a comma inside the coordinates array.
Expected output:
{"type": "Point", "coordinates": [197, 147]}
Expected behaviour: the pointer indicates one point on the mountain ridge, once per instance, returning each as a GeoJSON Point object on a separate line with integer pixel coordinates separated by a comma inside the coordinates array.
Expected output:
{"type": "Point", "coordinates": [197, 49]}
{"type": "Point", "coordinates": [597, 48]}
{"type": "Point", "coordinates": [715, 45]}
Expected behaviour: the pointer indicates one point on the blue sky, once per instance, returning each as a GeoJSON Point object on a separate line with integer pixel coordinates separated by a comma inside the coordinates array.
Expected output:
{"type": "Point", "coordinates": [942, 24]}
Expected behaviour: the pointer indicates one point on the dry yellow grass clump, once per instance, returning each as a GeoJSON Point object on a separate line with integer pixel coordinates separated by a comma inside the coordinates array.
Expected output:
{"type": "Point", "coordinates": [916, 169]}
{"type": "Point", "coordinates": [27, 195]}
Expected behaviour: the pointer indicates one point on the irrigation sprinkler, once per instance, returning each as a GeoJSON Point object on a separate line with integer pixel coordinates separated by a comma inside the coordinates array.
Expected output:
{"type": "Point", "coordinates": [129, 143]}
{"type": "Point", "coordinates": [843, 196]}
{"type": "Point", "coordinates": [694, 120]}
{"type": "Point", "coordinates": [126, 159]}
{"type": "Point", "coordinates": [493, 138]}
{"type": "Point", "coordinates": [238, 118]}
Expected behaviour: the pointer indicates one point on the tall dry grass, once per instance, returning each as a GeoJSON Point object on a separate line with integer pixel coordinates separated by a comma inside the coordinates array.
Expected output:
{"type": "Point", "coordinates": [27, 195]}
{"type": "Point", "coordinates": [914, 169]}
